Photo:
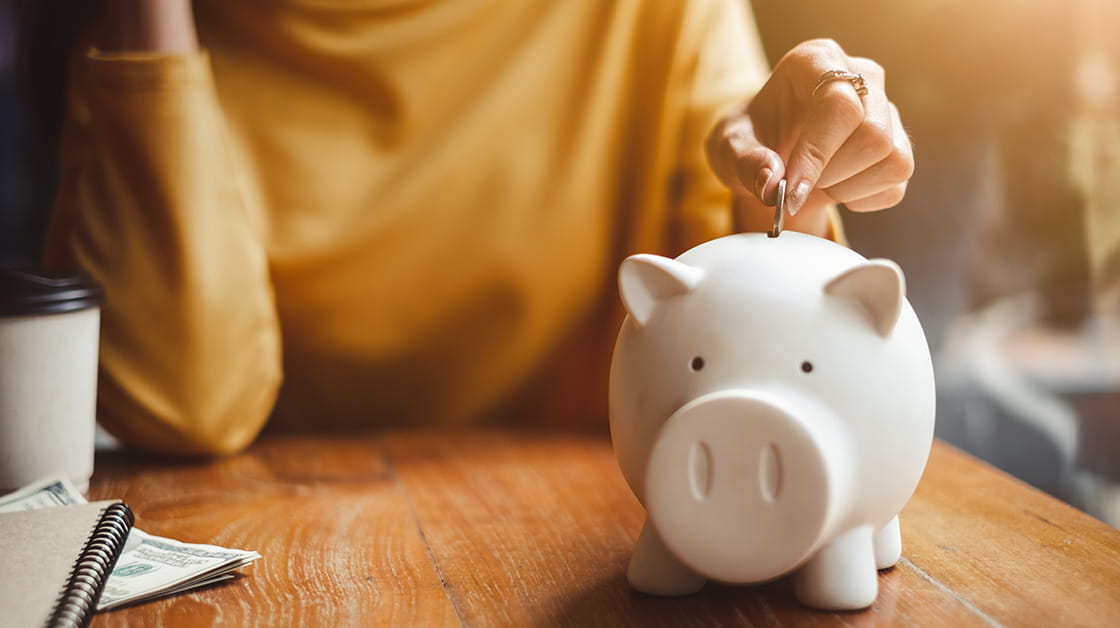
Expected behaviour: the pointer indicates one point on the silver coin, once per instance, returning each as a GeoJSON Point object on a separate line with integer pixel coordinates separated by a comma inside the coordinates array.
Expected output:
{"type": "Point", "coordinates": [779, 210]}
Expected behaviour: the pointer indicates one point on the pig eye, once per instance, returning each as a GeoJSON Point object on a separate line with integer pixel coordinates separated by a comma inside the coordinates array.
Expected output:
{"type": "Point", "coordinates": [696, 364]}
{"type": "Point", "coordinates": [806, 367]}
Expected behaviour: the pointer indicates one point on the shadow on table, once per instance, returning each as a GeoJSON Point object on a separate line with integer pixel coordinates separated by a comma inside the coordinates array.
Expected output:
{"type": "Point", "coordinates": [611, 602]}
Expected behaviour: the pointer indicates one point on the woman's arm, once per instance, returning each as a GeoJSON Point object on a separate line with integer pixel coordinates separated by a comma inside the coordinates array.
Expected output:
{"type": "Point", "coordinates": [159, 26]}
{"type": "Point", "coordinates": [151, 203]}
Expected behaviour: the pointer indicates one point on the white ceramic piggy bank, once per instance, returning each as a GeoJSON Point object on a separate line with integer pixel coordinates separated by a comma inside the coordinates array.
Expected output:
{"type": "Point", "coordinates": [772, 407]}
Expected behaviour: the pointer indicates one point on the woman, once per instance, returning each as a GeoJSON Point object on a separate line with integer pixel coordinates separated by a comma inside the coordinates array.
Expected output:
{"type": "Point", "coordinates": [396, 212]}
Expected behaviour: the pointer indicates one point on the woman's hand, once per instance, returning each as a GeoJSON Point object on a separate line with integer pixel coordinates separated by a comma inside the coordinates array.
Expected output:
{"type": "Point", "coordinates": [830, 143]}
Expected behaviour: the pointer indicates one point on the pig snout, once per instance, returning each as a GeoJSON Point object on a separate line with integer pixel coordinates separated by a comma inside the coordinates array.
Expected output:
{"type": "Point", "coordinates": [740, 487]}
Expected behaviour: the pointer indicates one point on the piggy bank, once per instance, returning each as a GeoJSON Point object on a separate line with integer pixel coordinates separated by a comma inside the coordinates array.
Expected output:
{"type": "Point", "coordinates": [772, 408]}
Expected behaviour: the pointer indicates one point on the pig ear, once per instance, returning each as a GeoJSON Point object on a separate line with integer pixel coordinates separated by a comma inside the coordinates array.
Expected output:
{"type": "Point", "coordinates": [644, 281]}
{"type": "Point", "coordinates": [879, 286]}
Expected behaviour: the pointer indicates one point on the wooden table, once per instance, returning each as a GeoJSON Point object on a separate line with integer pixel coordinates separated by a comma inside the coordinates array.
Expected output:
{"type": "Point", "coordinates": [514, 528]}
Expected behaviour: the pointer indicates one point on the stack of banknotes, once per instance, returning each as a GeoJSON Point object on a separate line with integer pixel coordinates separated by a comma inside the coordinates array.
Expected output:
{"type": "Point", "coordinates": [150, 566]}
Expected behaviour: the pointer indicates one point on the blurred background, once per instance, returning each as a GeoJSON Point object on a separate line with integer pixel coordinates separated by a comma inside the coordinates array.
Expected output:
{"type": "Point", "coordinates": [1010, 231]}
{"type": "Point", "coordinates": [1009, 235]}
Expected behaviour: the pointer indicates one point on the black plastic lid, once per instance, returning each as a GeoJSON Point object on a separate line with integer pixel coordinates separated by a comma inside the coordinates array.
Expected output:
{"type": "Point", "coordinates": [25, 291]}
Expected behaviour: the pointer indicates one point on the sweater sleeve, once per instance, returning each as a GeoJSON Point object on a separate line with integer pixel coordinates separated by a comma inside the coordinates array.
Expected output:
{"type": "Point", "coordinates": [152, 205]}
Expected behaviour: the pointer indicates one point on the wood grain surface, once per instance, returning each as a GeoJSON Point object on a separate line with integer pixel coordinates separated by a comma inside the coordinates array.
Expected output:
{"type": "Point", "coordinates": [509, 528]}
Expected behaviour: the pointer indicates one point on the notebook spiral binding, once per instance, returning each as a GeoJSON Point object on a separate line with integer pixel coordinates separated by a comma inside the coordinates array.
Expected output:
{"type": "Point", "coordinates": [78, 601]}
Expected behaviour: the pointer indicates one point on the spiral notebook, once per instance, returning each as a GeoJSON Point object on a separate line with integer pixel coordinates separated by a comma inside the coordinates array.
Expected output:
{"type": "Point", "coordinates": [54, 561]}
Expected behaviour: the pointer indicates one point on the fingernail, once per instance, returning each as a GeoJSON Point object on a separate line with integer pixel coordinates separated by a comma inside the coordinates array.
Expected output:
{"type": "Point", "coordinates": [797, 199]}
{"type": "Point", "coordinates": [761, 180]}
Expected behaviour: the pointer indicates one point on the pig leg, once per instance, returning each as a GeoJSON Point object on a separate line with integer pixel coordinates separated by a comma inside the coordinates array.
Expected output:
{"type": "Point", "coordinates": [888, 545]}
{"type": "Point", "coordinates": [654, 569]}
{"type": "Point", "coordinates": [841, 576]}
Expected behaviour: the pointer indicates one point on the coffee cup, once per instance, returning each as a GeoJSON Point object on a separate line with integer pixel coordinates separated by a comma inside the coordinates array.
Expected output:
{"type": "Point", "coordinates": [49, 326]}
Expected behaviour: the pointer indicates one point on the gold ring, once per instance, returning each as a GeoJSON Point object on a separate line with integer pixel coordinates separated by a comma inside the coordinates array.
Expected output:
{"type": "Point", "coordinates": [841, 75]}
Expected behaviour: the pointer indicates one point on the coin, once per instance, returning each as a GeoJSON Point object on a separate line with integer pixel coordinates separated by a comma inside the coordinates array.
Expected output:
{"type": "Point", "coordinates": [779, 210]}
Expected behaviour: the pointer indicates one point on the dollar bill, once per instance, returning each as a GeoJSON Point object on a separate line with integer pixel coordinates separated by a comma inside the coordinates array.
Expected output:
{"type": "Point", "coordinates": [56, 491]}
{"type": "Point", "coordinates": [150, 566]}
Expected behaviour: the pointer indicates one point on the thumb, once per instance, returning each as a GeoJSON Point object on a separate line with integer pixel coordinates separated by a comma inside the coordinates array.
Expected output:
{"type": "Point", "coordinates": [742, 162]}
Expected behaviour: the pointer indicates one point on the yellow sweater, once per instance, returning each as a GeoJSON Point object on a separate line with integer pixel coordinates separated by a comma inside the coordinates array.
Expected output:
{"type": "Point", "coordinates": [408, 212]}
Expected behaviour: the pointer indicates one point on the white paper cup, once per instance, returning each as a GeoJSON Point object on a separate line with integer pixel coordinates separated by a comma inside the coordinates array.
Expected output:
{"type": "Point", "coordinates": [49, 327]}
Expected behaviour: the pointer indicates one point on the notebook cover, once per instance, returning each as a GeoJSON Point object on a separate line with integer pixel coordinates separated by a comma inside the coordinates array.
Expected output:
{"type": "Point", "coordinates": [39, 551]}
